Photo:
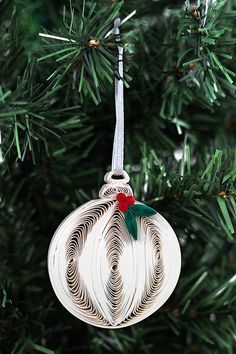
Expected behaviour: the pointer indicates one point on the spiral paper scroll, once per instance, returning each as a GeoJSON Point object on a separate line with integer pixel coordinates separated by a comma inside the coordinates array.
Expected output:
{"type": "Point", "coordinates": [105, 277]}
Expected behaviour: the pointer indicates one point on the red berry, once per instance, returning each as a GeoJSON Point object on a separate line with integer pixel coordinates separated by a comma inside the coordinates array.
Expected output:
{"type": "Point", "coordinates": [130, 200]}
{"type": "Point", "coordinates": [123, 206]}
{"type": "Point", "coordinates": [121, 197]}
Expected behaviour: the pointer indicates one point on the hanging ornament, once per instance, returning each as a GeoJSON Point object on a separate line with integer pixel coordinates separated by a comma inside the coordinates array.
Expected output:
{"type": "Point", "coordinates": [114, 261]}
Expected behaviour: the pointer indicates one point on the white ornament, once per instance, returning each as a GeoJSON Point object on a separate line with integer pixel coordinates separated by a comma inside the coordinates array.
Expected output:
{"type": "Point", "coordinates": [100, 273]}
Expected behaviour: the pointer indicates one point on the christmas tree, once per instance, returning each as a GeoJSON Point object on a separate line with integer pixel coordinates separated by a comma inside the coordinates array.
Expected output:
{"type": "Point", "coordinates": [57, 123]}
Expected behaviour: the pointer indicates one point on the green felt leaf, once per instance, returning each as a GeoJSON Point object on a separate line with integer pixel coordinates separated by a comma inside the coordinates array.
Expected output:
{"type": "Point", "coordinates": [142, 210]}
{"type": "Point", "coordinates": [130, 222]}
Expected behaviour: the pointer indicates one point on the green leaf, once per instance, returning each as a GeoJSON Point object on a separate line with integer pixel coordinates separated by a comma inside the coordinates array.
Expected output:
{"type": "Point", "coordinates": [142, 210]}
{"type": "Point", "coordinates": [130, 222]}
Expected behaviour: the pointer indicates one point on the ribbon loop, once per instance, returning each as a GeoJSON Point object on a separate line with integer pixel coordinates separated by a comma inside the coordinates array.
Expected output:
{"type": "Point", "coordinates": [118, 143]}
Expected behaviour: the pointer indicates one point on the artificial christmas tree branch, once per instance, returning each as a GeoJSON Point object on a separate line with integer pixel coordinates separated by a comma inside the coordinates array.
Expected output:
{"type": "Point", "coordinates": [88, 56]}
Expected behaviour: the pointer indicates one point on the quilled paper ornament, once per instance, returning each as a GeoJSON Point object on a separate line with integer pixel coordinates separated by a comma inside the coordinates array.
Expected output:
{"type": "Point", "coordinates": [104, 272]}
{"type": "Point", "coordinates": [114, 260]}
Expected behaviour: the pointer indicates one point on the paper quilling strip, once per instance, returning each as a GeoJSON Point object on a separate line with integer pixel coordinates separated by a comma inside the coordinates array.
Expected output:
{"type": "Point", "coordinates": [100, 273]}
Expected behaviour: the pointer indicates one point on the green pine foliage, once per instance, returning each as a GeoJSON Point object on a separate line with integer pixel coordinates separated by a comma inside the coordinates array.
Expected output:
{"type": "Point", "coordinates": [57, 125]}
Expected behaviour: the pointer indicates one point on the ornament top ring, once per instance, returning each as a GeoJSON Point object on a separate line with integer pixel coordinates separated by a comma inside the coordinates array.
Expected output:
{"type": "Point", "coordinates": [114, 261]}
